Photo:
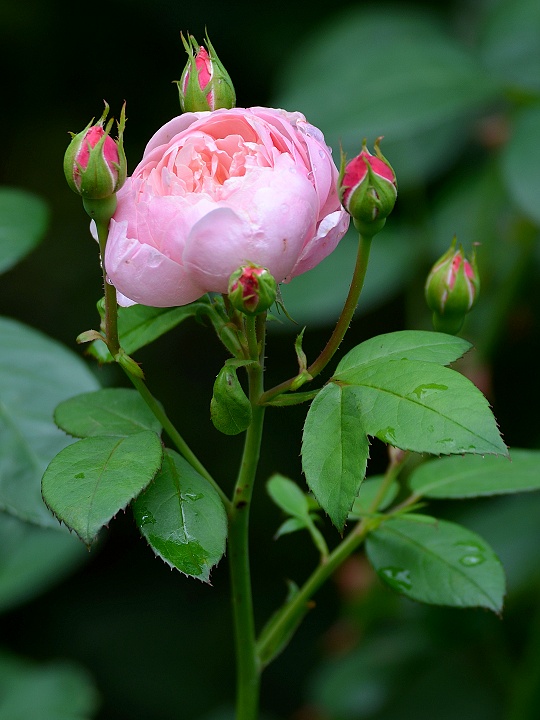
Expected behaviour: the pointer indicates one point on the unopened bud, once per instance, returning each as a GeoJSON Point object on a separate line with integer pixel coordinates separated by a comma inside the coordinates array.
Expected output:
{"type": "Point", "coordinates": [205, 84]}
{"type": "Point", "coordinates": [94, 164]}
{"type": "Point", "coordinates": [368, 189]}
{"type": "Point", "coordinates": [252, 289]}
{"type": "Point", "coordinates": [452, 289]}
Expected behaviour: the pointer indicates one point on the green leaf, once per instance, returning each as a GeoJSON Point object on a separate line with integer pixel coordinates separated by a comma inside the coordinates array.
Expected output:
{"type": "Point", "coordinates": [368, 492]}
{"type": "Point", "coordinates": [182, 518]}
{"type": "Point", "coordinates": [50, 691]}
{"type": "Point", "coordinates": [520, 160]}
{"type": "Point", "coordinates": [230, 409]}
{"type": "Point", "coordinates": [414, 84]}
{"type": "Point", "coordinates": [509, 44]}
{"type": "Point", "coordinates": [140, 325]}
{"type": "Point", "coordinates": [292, 524]}
{"type": "Point", "coordinates": [288, 496]}
{"type": "Point", "coordinates": [88, 482]}
{"type": "Point", "coordinates": [440, 563]}
{"type": "Point", "coordinates": [335, 450]}
{"type": "Point", "coordinates": [36, 374]}
{"type": "Point", "coordinates": [23, 222]}
{"type": "Point", "coordinates": [473, 476]}
{"type": "Point", "coordinates": [113, 411]}
{"type": "Point", "coordinates": [32, 559]}
{"type": "Point", "coordinates": [423, 407]}
{"type": "Point", "coordinates": [405, 345]}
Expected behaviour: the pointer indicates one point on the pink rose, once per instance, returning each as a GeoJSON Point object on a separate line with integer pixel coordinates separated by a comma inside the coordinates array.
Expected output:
{"type": "Point", "coordinates": [217, 190]}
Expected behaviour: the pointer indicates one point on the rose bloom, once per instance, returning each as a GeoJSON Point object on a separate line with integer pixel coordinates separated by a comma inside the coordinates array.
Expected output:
{"type": "Point", "coordinates": [217, 190]}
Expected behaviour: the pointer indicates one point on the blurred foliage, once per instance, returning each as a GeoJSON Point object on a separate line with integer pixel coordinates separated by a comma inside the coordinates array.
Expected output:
{"type": "Point", "coordinates": [455, 89]}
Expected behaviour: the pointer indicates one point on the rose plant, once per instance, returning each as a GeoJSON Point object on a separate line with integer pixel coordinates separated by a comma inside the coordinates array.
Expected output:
{"type": "Point", "coordinates": [234, 201]}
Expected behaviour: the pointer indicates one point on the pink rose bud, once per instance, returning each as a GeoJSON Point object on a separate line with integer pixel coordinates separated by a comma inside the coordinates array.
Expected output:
{"type": "Point", "coordinates": [95, 164]}
{"type": "Point", "coordinates": [205, 84]}
{"type": "Point", "coordinates": [452, 289]}
{"type": "Point", "coordinates": [252, 289]}
{"type": "Point", "coordinates": [368, 189]}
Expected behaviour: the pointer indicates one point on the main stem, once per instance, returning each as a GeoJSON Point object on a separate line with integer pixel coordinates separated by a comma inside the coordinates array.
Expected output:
{"type": "Point", "coordinates": [248, 666]}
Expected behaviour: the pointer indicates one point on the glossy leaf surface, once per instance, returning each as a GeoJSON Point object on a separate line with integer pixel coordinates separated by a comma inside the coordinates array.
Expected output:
{"type": "Point", "coordinates": [473, 476]}
{"type": "Point", "coordinates": [88, 482]}
{"type": "Point", "coordinates": [423, 407]}
{"type": "Point", "coordinates": [405, 345]}
{"type": "Point", "coordinates": [23, 221]}
{"type": "Point", "coordinates": [182, 518]}
{"type": "Point", "coordinates": [112, 411]}
{"type": "Point", "coordinates": [437, 562]}
{"type": "Point", "coordinates": [36, 374]}
{"type": "Point", "coordinates": [335, 450]}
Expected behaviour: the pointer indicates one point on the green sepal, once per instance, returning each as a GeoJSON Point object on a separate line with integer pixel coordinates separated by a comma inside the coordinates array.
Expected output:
{"type": "Point", "coordinates": [230, 409]}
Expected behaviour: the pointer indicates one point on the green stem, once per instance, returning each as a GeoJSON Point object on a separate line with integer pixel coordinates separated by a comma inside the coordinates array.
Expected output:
{"type": "Point", "coordinates": [111, 308]}
{"type": "Point", "coordinates": [284, 619]}
{"type": "Point", "coordinates": [248, 666]}
{"type": "Point", "coordinates": [175, 436]}
{"type": "Point", "coordinates": [357, 283]}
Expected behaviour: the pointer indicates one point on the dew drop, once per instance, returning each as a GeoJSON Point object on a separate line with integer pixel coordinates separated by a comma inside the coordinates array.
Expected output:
{"type": "Point", "coordinates": [474, 554]}
{"type": "Point", "coordinates": [387, 435]}
{"type": "Point", "coordinates": [398, 578]}
{"type": "Point", "coordinates": [147, 518]}
{"type": "Point", "coordinates": [422, 391]}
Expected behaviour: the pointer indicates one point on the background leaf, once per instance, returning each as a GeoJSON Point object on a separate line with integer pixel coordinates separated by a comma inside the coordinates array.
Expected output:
{"type": "Point", "coordinates": [520, 160]}
{"type": "Point", "coordinates": [405, 345]}
{"type": "Point", "coordinates": [32, 559]}
{"type": "Point", "coordinates": [368, 493]}
{"type": "Point", "coordinates": [182, 518]}
{"type": "Point", "coordinates": [23, 221]}
{"type": "Point", "coordinates": [472, 476]}
{"type": "Point", "coordinates": [509, 43]}
{"type": "Point", "coordinates": [87, 483]}
{"type": "Point", "coordinates": [112, 411]}
{"type": "Point", "coordinates": [335, 450]}
{"type": "Point", "coordinates": [440, 563]}
{"type": "Point", "coordinates": [288, 496]}
{"type": "Point", "coordinates": [412, 83]}
{"type": "Point", "coordinates": [423, 407]}
{"type": "Point", "coordinates": [51, 691]}
{"type": "Point", "coordinates": [36, 374]}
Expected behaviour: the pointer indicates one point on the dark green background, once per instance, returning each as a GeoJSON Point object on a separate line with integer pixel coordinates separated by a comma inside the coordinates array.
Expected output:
{"type": "Point", "coordinates": [157, 644]}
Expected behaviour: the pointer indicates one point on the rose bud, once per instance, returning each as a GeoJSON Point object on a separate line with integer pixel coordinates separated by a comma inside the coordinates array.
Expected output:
{"type": "Point", "coordinates": [368, 189]}
{"type": "Point", "coordinates": [94, 164]}
{"type": "Point", "coordinates": [205, 84]}
{"type": "Point", "coordinates": [252, 289]}
{"type": "Point", "coordinates": [452, 289]}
